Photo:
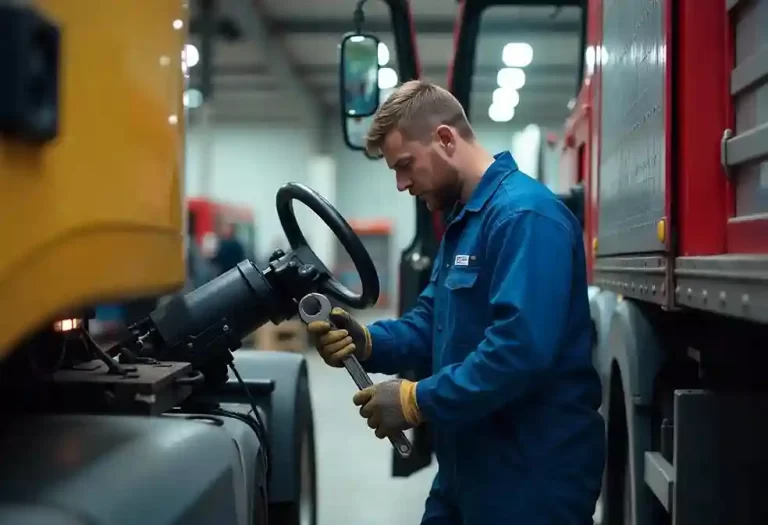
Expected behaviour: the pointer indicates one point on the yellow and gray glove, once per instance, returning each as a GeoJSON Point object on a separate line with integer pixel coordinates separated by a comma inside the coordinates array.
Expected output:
{"type": "Point", "coordinates": [343, 338]}
{"type": "Point", "coordinates": [389, 406]}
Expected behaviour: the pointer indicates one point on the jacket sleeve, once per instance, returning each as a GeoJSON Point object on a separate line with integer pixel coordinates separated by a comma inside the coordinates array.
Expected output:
{"type": "Point", "coordinates": [531, 259]}
{"type": "Point", "coordinates": [405, 343]}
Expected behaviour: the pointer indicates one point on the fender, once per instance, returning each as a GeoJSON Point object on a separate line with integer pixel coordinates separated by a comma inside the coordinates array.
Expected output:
{"type": "Point", "coordinates": [601, 306]}
{"type": "Point", "coordinates": [289, 407]}
{"type": "Point", "coordinates": [634, 346]}
{"type": "Point", "coordinates": [636, 356]}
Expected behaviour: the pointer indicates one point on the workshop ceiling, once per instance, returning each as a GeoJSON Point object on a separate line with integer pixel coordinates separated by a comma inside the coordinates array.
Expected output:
{"type": "Point", "coordinates": [269, 55]}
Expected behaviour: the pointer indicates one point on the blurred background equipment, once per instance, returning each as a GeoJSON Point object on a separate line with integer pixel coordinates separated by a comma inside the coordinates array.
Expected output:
{"type": "Point", "coordinates": [376, 236]}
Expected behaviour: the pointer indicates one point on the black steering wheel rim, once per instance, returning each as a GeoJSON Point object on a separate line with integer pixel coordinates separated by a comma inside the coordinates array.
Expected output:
{"type": "Point", "coordinates": [343, 232]}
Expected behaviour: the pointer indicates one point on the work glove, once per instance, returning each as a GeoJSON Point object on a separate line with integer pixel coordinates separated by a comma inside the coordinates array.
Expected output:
{"type": "Point", "coordinates": [339, 338]}
{"type": "Point", "coordinates": [389, 407]}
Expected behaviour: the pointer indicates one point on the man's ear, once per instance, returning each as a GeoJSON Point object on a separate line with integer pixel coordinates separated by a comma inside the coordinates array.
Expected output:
{"type": "Point", "coordinates": [446, 137]}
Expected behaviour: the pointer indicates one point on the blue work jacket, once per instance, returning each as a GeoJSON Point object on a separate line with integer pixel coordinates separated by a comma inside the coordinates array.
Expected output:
{"type": "Point", "coordinates": [504, 325]}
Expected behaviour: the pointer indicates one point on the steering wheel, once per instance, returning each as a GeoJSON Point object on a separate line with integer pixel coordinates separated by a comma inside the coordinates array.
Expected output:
{"type": "Point", "coordinates": [343, 232]}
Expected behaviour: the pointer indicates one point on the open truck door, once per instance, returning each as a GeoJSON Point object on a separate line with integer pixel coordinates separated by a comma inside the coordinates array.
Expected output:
{"type": "Point", "coordinates": [504, 57]}
{"type": "Point", "coordinates": [356, 114]}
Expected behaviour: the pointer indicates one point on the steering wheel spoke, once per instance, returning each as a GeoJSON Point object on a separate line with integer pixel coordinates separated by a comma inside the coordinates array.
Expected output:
{"type": "Point", "coordinates": [344, 233]}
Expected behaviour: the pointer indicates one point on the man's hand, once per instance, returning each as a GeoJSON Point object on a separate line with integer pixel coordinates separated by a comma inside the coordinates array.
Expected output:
{"type": "Point", "coordinates": [389, 407]}
{"type": "Point", "coordinates": [343, 338]}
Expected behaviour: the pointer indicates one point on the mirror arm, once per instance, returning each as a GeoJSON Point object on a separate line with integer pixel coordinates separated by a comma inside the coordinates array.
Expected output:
{"type": "Point", "coordinates": [359, 16]}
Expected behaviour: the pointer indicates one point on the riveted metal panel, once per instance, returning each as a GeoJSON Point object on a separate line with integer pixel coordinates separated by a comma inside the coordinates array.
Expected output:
{"type": "Point", "coordinates": [644, 277]}
{"type": "Point", "coordinates": [733, 285]}
{"type": "Point", "coordinates": [632, 159]}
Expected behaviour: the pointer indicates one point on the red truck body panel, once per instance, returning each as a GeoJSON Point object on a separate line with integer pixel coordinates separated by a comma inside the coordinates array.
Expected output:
{"type": "Point", "coordinates": [647, 129]}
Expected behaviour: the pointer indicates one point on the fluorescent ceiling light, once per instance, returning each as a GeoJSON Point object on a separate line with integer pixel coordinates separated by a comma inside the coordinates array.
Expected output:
{"type": "Point", "coordinates": [517, 54]}
{"type": "Point", "coordinates": [357, 38]}
{"type": "Point", "coordinates": [387, 78]}
{"type": "Point", "coordinates": [383, 54]}
{"type": "Point", "coordinates": [190, 55]}
{"type": "Point", "coordinates": [506, 97]}
{"type": "Point", "coordinates": [511, 77]}
{"type": "Point", "coordinates": [501, 113]}
{"type": "Point", "coordinates": [193, 98]}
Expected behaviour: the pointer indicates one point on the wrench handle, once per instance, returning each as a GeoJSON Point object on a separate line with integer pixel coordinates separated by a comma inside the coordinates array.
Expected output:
{"type": "Point", "coordinates": [355, 369]}
{"type": "Point", "coordinates": [400, 442]}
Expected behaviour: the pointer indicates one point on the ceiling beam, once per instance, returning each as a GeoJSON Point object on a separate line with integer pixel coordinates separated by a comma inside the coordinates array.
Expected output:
{"type": "Point", "coordinates": [434, 72]}
{"type": "Point", "coordinates": [425, 27]}
{"type": "Point", "coordinates": [258, 28]}
{"type": "Point", "coordinates": [484, 86]}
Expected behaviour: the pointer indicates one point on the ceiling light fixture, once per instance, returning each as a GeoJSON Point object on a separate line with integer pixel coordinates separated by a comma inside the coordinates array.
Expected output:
{"type": "Point", "coordinates": [383, 54]}
{"type": "Point", "coordinates": [190, 55]}
{"type": "Point", "coordinates": [387, 78]}
{"type": "Point", "coordinates": [517, 54]}
{"type": "Point", "coordinates": [193, 98]}
{"type": "Point", "coordinates": [511, 78]}
{"type": "Point", "coordinates": [506, 97]}
{"type": "Point", "coordinates": [501, 113]}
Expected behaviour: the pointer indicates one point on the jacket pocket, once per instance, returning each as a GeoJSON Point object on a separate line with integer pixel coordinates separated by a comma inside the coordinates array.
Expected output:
{"type": "Point", "coordinates": [461, 279]}
{"type": "Point", "coordinates": [466, 306]}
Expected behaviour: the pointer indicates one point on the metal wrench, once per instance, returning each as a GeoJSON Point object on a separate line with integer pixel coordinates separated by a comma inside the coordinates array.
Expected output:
{"type": "Point", "coordinates": [317, 307]}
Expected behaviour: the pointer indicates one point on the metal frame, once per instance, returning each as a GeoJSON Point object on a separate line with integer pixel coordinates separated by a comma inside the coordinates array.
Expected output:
{"type": "Point", "coordinates": [693, 486]}
{"type": "Point", "coordinates": [732, 285]}
{"type": "Point", "coordinates": [644, 277]}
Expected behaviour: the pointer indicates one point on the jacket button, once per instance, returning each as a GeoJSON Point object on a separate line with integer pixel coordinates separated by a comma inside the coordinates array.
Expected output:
{"type": "Point", "coordinates": [439, 328]}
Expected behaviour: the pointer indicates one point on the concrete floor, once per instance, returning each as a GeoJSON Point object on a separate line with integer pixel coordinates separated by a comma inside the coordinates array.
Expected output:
{"type": "Point", "coordinates": [355, 484]}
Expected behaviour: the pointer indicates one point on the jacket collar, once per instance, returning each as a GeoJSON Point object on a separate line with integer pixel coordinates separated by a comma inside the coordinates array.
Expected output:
{"type": "Point", "coordinates": [503, 166]}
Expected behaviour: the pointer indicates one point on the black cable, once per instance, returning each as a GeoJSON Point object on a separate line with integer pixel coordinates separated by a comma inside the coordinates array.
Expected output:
{"type": "Point", "coordinates": [258, 427]}
{"type": "Point", "coordinates": [261, 433]}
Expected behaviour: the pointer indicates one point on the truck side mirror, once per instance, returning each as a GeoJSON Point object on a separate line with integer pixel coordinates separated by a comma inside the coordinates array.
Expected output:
{"type": "Point", "coordinates": [359, 75]}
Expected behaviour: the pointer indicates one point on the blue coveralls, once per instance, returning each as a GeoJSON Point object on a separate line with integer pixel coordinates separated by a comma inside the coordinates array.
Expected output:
{"type": "Point", "coordinates": [505, 326]}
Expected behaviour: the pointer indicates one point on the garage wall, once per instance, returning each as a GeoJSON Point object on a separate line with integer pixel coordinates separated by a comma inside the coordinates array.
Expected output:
{"type": "Point", "coordinates": [250, 163]}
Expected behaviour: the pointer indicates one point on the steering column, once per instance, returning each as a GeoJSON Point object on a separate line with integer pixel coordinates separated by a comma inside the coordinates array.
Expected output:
{"type": "Point", "coordinates": [205, 325]}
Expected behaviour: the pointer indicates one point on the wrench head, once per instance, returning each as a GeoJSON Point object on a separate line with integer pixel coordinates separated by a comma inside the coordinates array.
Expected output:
{"type": "Point", "coordinates": [314, 307]}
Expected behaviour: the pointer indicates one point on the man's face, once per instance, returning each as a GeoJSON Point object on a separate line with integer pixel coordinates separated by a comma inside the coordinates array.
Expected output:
{"type": "Point", "coordinates": [424, 169]}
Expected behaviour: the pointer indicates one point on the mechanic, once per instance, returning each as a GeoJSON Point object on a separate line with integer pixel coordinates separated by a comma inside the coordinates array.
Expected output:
{"type": "Point", "coordinates": [504, 325]}
{"type": "Point", "coordinates": [230, 250]}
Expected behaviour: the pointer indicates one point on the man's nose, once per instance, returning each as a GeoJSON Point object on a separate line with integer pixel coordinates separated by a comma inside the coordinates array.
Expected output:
{"type": "Point", "coordinates": [402, 183]}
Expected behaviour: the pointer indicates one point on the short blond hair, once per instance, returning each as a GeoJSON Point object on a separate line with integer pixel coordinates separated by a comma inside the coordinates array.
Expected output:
{"type": "Point", "coordinates": [415, 109]}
